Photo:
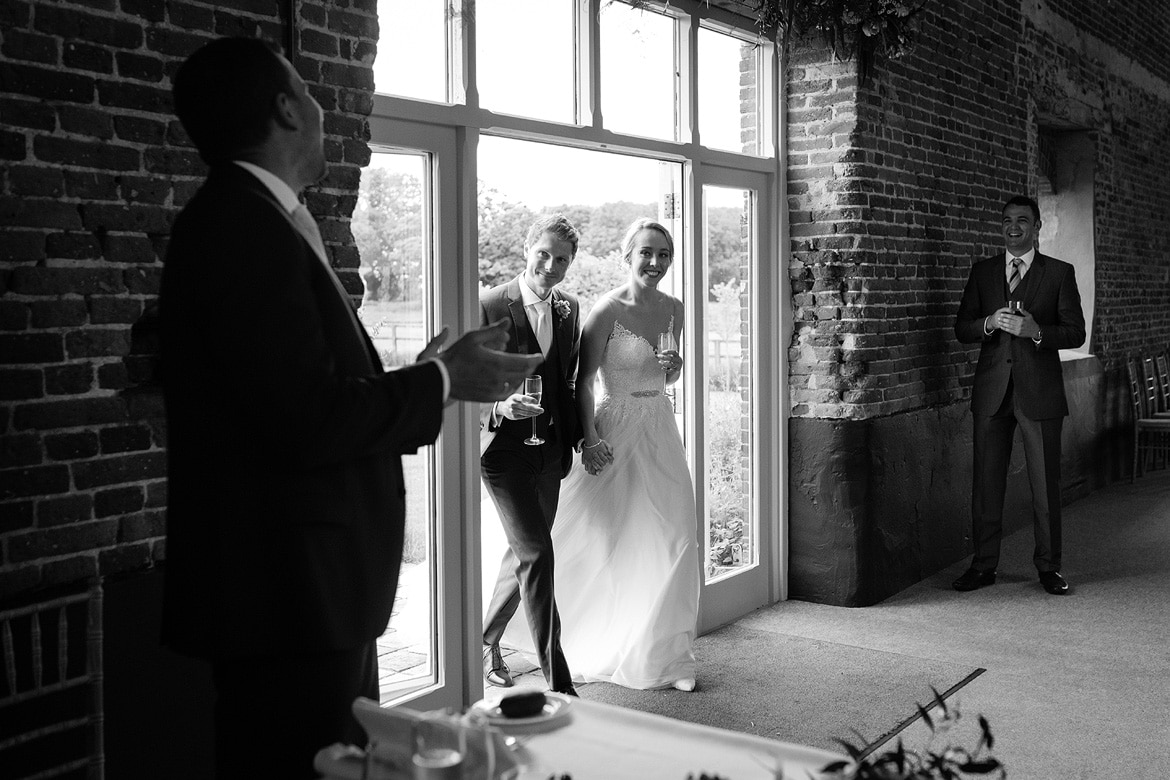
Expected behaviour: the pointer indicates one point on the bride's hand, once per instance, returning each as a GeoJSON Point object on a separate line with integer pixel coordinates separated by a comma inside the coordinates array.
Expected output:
{"type": "Point", "coordinates": [596, 457]}
{"type": "Point", "coordinates": [670, 360]}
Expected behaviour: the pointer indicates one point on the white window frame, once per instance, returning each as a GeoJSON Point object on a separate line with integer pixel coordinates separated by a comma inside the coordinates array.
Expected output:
{"type": "Point", "coordinates": [459, 448]}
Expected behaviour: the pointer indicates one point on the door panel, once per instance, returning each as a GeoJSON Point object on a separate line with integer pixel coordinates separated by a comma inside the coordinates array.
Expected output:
{"type": "Point", "coordinates": [407, 192]}
{"type": "Point", "coordinates": [738, 504]}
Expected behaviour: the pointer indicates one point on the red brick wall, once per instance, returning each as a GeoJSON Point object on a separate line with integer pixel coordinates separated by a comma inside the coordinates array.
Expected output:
{"type": "Point", "coordinates": [894, 188]}
{"type": "Point", "coordinates": [95, 168]}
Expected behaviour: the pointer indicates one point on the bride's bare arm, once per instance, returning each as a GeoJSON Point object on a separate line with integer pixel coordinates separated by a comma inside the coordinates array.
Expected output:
{"type": "Point", "coordinates": [595, 453]}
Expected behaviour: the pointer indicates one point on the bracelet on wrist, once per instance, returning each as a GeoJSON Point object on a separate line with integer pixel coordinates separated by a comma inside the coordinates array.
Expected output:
{"type": "Point", "coordinates": [591, 446]}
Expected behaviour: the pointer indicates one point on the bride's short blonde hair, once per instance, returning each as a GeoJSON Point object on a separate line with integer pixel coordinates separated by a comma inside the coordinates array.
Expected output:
{"type": "Point", "coordinates": [638, 225]}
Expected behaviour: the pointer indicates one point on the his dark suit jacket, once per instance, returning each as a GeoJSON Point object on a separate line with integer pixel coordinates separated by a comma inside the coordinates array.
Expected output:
{"type": "Point", "coordinates": [1050, 295]}
{"type": "Point", "coordinates": [505, 301]}
{"type": "Point", "coordinates": [284, 436]}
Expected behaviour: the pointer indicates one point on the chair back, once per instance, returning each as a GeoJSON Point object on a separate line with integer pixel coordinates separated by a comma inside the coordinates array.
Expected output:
{"type": "Point", "coordinates": [1163, 366]}
{"type": "Point", "coordinates": [1149, 386]}
{"type": "Point", "coordinates": [51, 703]}
{"type": "Point", "coordinates": [1135, 389]}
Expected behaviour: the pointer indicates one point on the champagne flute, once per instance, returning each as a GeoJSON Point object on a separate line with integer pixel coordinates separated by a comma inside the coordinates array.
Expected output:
{"type": "Point", "coordinates": [665, 344]}
{"type": "Point", "coordinates": [533, 387]}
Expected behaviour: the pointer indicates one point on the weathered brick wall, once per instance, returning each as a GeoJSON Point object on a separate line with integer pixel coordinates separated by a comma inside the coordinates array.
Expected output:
{"type": "Point", "coordinates": [1114, 75]}
{"type": "Point", "coordinates": [95, 169]}
{"type": "Point", "coordinates": [895, 187]}
{"type": "Point", "coordinates": [894, 190]}
{"type": "Point", "coordinates": [892, 201]}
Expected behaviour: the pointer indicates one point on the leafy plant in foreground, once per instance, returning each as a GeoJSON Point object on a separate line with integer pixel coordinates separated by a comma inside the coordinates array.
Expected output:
{"type": "Point", "coordinates": [900, 763]}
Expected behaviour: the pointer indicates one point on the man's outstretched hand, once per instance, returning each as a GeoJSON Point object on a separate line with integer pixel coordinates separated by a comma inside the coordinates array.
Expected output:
{"type": "Point", "coordinates": [478, 367]}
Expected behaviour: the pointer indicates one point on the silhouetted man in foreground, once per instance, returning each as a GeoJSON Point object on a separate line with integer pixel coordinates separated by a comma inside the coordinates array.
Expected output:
{"type": "Point", "coordinates": [286, 496]}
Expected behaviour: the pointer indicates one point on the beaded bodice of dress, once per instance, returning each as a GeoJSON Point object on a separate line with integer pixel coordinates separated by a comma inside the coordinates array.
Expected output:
{"type": "Point", "coordinates": [629, 367]}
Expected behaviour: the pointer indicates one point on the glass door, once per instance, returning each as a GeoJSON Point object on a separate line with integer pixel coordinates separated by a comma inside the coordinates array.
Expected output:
{"type": "Point", "coordinates": [406, 194]}
{"type": "Point", "coordinates": [735, 430]}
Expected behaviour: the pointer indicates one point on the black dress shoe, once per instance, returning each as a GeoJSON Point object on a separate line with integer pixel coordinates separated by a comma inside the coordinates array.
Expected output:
{"type": "Point", "coordinates": [974, 578]}
{"type": "Point", "coordinates": [570, 691]}
{"type": "Point", "coordinates": [1053, 583]}
{"type": "Point", "coordinates": [495, 671]}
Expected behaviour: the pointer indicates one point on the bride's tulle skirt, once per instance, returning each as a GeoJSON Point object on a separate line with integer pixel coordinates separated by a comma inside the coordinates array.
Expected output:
{"type": "Point", "coordinates": [627, 569]}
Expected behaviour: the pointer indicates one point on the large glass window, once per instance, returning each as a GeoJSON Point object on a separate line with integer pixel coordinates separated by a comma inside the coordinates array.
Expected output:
{"type": "Point", "coordinates": [391, 227]}
{"type": "Point", "coordinates": [731, 524]}
{"type": "Point", "coordinates": [413, 57]}
{"type": "Point", "coordinates": [606, 111]}
{"type": "Point", "coordinates": [730, 110]}
{"type": "Point", "coordinates": [639, 72]}
{"type": "Point", "coordinates": [601, 194]}
{"type": "Point", "coordinates": [526, 58]}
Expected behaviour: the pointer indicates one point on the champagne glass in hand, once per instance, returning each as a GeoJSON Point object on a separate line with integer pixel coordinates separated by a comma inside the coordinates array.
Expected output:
{"type": "Point", "coordinates": [533, 387]}
{"type": "Point", "coordinates": [665, 344]}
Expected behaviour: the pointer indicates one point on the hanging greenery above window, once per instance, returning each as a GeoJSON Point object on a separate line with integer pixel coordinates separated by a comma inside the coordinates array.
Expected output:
{"type": "Point", "coordinates": [866, 29]}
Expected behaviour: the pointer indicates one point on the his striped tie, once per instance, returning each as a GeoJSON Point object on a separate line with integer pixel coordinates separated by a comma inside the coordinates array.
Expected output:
{"type": "Point", "coordinates": [1014, 281]}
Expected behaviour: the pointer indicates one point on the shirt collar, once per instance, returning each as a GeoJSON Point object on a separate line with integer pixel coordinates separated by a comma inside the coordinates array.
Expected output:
{"type": "Point", "coordinates": [1027, 257]}
{"type": "Point", "coordinates": [282, 192]}
{"type": "Point", "coordinates": [529, 296]}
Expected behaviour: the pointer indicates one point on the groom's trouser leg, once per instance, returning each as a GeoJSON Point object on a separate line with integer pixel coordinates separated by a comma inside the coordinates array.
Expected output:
{"type": "Point", "coordinates": [524, 483]}
{"type": "Point", "coordinates": [1042, 450]}
{"type": "Point", "coordinates": [992, 454]}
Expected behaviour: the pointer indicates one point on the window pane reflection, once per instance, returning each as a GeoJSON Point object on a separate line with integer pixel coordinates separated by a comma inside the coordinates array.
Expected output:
{"type": "Point", "coordinates": [525, 58]}
{"type": "Point", "coordinates": [391, 227]}
{"type": "Point", "coordinates": [412, 49]}
{"type": "Point", "coordinates": [639, 64]}
{"type": "Point", "coordinates": [731, 532]}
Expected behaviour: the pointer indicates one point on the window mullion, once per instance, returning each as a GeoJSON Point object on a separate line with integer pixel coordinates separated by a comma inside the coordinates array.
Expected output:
{"type": "Point", "coordinates": [588, 47]}
{"type": "Point", "coordinates": [687, 84]}
{"type": "Point", "coordinates": [461, 65]}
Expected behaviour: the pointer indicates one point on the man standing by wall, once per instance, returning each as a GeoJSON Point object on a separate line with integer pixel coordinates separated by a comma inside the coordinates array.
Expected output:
{"type": "Point", "coordinates": [1022, 307]}
{"type": "Point", "coordinates": [285, 489]}
{"type": "Point", "coordinates": [524, 480]}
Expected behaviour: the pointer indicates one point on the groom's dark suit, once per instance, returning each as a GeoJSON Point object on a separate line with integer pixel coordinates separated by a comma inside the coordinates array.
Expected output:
{"type": "Point", "coordinates": [524, 481]}
{"type": "Point", "coordinates": [285, 489]}
{"type": "Point", "coordinates": [1019, 381]}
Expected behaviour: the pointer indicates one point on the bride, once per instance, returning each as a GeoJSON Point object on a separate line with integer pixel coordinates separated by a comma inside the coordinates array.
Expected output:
{"type": "Point", "coordinates": [627, 568]}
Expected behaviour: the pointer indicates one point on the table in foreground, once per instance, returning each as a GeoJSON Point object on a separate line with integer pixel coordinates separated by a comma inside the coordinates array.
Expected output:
{"type": "Point", "coordinates": [594, 741]}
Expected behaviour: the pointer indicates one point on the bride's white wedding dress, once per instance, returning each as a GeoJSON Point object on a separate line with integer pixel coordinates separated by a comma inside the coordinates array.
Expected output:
{"type": "Point", "coordinates": [627, 568]}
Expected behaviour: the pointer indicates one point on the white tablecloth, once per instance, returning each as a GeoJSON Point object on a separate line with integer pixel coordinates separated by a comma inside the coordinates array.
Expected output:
{"type": "Point", "coordinates": [603, 742]}
{"type": "Point", "coordinates": [595, 741]}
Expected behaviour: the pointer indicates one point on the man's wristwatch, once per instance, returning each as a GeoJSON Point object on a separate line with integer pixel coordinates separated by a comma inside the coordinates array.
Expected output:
{"type": "Point", "coordinates": [1039, 335]}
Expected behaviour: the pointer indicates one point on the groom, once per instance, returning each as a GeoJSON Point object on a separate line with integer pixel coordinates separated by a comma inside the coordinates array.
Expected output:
{"type": "Point", "coordinates": [524, 480]}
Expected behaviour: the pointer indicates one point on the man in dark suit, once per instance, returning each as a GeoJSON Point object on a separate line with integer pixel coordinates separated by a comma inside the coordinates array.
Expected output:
{"type": "Point", "coordinates": [1022, 308]}
{"type": "Point", "coordinates": [284, 434]}
{"type": "Point", "coordinates": [524, 480]}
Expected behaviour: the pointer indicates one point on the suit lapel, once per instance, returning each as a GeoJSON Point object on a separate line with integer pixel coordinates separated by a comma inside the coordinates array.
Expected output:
{"type": "Point", "coordinates": [525, 338]}
{"type": "Point", "coordinates": [994, 285]}
{"type": "Point", "coordinates": [1034, 279]}
{"type": "Point", "coordinates": [560, 329]}
{"type": "Point", "coordinates": [318, 264]}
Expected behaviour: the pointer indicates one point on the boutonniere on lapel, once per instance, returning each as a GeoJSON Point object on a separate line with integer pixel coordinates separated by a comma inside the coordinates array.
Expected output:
{"type": "Point", "coordinates": [561, 306]}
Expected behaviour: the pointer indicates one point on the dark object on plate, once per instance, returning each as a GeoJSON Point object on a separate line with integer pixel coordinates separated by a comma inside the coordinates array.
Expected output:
{"type": "Point", "coordinates": [522, 705]}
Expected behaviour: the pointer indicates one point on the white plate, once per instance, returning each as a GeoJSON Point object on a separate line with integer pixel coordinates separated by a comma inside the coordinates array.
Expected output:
{"type": "Point", "coordinates": [556, 707]}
